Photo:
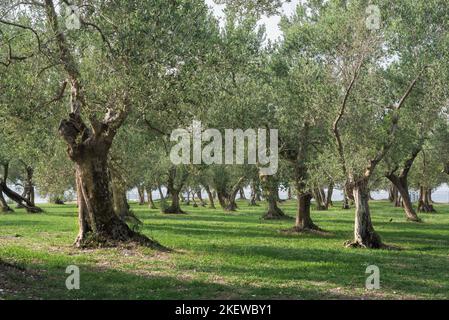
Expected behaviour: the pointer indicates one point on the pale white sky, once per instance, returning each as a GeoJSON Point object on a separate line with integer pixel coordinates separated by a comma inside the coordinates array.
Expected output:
{"type": "Point", "coordinates": [271, 23]}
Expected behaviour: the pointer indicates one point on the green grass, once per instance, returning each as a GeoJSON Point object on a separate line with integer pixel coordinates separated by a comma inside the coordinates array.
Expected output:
{"type": "Point", "coordinates": [219, 255]}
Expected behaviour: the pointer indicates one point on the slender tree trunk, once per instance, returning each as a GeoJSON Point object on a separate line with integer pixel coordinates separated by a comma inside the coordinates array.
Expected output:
{"type": "Point", "coordinates": [319, 197]}
{"type": "Point", "coordinates": [161, 194]}
{"type": "Point", "coordinates": [210, 196]}
{"type": "Point", "coordinates": [270, 189]}
{"type": "Point", "coordinates": [330, 191]}
{"type": "Point", "coordinates": [364, 234]}
{"type": "Point", "coordinates": [141, 193]}
{"type": "Point", "coordinates": [200, 197]}
{"type": "Point", "coordinates": [253, 199]}
{"type": "Point", "coordinates": [242, 194]}
{"type": "Point", "coordinates": [401, 185]}
{"type": "Point", "coordinates": [151, 204]}
{"type": "Point", "coordinates": [31, 208]}
{"type": "Point", "coordinates": [195, 205]}
{"type": "Point", "coordinates": [289, 193]}
{"type": "Point", "coordinates": [345, 205]}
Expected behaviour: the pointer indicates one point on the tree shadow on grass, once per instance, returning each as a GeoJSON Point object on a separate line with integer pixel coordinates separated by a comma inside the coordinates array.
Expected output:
{"type": "Point", "coordinates": [20, 282]}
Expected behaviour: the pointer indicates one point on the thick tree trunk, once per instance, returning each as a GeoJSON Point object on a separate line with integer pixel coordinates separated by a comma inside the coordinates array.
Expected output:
{"type": "Point", "coordinates": [270, 189]}
{"type": "Point", "coordinates": [99, 223]}
{"type": "Point", "coordinates": [401, 185]}
{"type": "Point", "coordinates": [425, 200]}
{"type": "Point", "coordinates": [364, 234]}
{"type": "Point", "coordinates": [210, 196]}
{"type": "Point", "coordinates": [304, 199]}
{"type": "Point", "coordinates": [175, 207]}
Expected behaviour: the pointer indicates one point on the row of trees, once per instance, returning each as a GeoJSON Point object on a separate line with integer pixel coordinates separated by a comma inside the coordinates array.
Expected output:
{"type": "Point", "coordinates": [358, 108]}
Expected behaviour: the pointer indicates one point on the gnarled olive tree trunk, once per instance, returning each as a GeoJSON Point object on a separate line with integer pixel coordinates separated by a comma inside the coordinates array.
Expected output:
{"type": "Point", "coordinates": [364, 234]}
{"type": "Point", "coordinates": [88, 148]}
{"type": "Point", "coordinates": [304, 199]}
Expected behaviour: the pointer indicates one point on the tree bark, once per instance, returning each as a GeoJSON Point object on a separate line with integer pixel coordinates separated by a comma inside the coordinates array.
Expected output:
{"type": "Point", "coordinates": [318, 195]}
{"type": "Point", "coordinates": [210, 196]}
{"type": "Point", "coordinates": [242, 194]}
{"type": "Point", "coordinates": [141, 193]}
{"type": "Point", "coordinates": [401, 186]}
{"type": "Point", "coordinates": [304, 199]}
{"type": "Point", "coordinates": [161, 194]}
{"type": "Point", "coordinates": [23, 202]}
{"type": "Point", "coordinates": [4, 207]}
{"type": "Point", "coordinates": [200, 197]}
{"type": "Point", "coordinates": [173, 191]}
{"type": "Point", "coordinates": [270, 189]}
{"type": "Point", "coordinates": [253, 199]}
{"type": "Point", "coordinates": [425, 200]}
{"type": "Point", "coordinates": [88, 148]}
{"type": "Point", "coordinates": [151, 204]}
{"type": "Point", "coordinates": [364, 234]}
{"type": "Point", "coordinates": [329, 194]}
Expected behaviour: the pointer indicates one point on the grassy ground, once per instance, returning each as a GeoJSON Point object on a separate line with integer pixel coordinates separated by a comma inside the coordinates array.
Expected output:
{"type": "Point", "coordinates": [226, 256]}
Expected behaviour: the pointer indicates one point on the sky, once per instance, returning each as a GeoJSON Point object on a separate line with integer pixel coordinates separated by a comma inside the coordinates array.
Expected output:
{"type": "Point", "coordinates": [271, 23]}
